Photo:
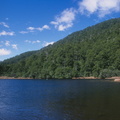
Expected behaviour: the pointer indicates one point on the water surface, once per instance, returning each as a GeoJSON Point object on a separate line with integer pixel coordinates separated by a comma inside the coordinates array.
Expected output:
{"type": "Point", "coordinates": [59, 100]}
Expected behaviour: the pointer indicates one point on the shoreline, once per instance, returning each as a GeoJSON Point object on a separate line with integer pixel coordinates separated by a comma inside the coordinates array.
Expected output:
{"type": "Point", "coordinates": [115, 79]}
{"type": "Point", "coordinates": [5, 77]}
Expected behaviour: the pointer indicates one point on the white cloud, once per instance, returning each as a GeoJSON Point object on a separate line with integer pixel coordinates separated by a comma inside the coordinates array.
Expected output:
{"type": "Point", "coordinates": [88, 7]}
{"type": "Point", "coordinates": [4, 52]}
{"type": "Point", "coordinates": [7, 43]}
{"type": "Point", "coordinates": [46, 27]}
{"type": "Point", "coordinates": [28, 41]}
{"type": "Point", "coordinates": [4, 24]}
{"type": "Point", "coordinates": [32, 42]}
{"type": "Point", "coordinates": [6, 33]}
{"type": "Point", "coordinates": [65, 19]}
{"type": "Point", "coordinates": [39, 28]}
{"type": "Point", "coordinates": [47, 43]}
{"type": "Point", "coordinates": [23, 32]}
{"type": "Point", "coordinates": [31, 28]}
{"type": "Point", "coordinates": [37, 41]}
{"type": "Point", "coordinates": [101, 7]}
{"type": "Point", "coordinates": [14, 46]}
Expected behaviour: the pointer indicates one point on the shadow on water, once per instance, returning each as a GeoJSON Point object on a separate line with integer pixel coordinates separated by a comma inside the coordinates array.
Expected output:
{"type": "Point", "coordinates": [90, 101]}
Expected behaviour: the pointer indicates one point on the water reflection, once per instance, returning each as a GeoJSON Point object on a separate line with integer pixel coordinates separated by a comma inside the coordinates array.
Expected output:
{"type": "Point", "coordinates": [95, 103]}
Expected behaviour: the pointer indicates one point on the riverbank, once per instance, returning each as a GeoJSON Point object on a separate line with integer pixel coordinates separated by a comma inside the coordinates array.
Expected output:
{"type": "Point", "coordinates": [5, 77]}
{"type": "Point", "coordinates": [85, 78]}
{"type": "Point", "coordinates": [116, 79]}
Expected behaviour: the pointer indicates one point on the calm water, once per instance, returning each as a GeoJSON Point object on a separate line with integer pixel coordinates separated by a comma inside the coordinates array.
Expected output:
{"type": "Point", "coordinates": [59, 100]}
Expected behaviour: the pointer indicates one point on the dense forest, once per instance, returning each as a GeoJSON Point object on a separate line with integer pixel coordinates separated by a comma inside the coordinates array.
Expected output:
{"type": "Point", "coordinates": [94, 51]}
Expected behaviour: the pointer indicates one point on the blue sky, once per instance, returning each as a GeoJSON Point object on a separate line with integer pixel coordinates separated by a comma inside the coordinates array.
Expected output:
{"type": "Point", "coordinates": [27, 25]}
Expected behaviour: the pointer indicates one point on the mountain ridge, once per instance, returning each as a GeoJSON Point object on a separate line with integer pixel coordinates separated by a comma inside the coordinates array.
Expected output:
{"type": "Point", "coordinates": [93, 51]}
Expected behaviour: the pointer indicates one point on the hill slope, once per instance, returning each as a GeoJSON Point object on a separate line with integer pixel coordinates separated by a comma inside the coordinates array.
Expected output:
{"type": "Point", "coordinates": [94, 51]}
{"type": "Point", "coordinates": [18, 57]}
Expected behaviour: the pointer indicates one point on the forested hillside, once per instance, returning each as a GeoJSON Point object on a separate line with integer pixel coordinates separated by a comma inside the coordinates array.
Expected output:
{"type": "Point", "coordinates": [94, 51]}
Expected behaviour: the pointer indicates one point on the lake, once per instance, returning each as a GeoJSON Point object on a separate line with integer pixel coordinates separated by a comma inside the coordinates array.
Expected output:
{"type": "Point", "coordinates": [59, 100]}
